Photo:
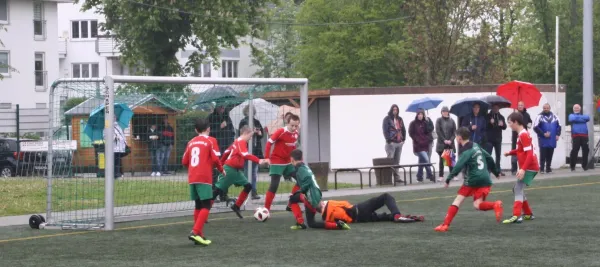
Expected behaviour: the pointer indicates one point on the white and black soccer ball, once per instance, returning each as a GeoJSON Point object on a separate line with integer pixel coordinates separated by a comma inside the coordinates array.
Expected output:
{"type": "Point", "coordinates": [262, 214]}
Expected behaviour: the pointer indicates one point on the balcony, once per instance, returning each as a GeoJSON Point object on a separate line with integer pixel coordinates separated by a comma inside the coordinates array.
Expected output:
{"type": "Point", "coordinates": [62, 47]}
{"type": "Point", "coordinates": [39, 30]}
{"type": "Point", "coordinates": [107, 46]}
{"type": "Point", "coordinates": [41, 80]}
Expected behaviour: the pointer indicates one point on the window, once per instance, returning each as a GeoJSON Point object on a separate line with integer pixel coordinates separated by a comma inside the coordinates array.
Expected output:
{"type": "Point", "coordinates": [229, 69]}
{"type": "Point", "coordinates": [39, 24]}
{"type": "Point", "coordinates": [3, 11]}
{"type": "Point", "coordinates": [40, 73]}
{"type": "Point", "coordinates": [86, 70]}
{"type": "Point", "coordinates": [84, 29]}
{"type": "Point", "coordinates": [4, 62]}
{"type": "Point", "coordinates": [203, 70]}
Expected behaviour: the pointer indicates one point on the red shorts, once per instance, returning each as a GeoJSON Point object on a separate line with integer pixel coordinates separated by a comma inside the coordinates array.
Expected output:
{"type": "Point", "coordinates": [476, 192]}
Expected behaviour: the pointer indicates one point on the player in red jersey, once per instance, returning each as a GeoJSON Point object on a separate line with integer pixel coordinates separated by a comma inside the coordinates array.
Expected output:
{"type": "Point", "coordinates": [283, 142]}
{"type": "Point", "coordinates": [199, 158]}
{"type": "Point", "coordinates": [234, 159]}
{"type": "Point", "coordinates": [528, 169]}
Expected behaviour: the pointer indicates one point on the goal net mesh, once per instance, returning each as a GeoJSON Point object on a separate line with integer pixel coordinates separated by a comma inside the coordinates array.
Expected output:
{"type": "Point", "coordinates": [157, 121]}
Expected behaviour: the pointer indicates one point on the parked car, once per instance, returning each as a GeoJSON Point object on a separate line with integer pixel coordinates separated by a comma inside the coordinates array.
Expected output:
{"type": "Point", "coordinates": [13, 163]}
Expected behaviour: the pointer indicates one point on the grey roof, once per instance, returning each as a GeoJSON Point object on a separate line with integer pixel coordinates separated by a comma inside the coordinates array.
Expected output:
{"type": "Point", "coordinates": [132, 101]}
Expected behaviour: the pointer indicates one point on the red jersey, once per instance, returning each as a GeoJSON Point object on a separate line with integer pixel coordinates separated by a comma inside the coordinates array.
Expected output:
{"type": "Point", "coordinates": [199, 158]}
{"type": "Point", "coordinates": [215, 145]}
{"type": "Point", "coordinates": [284, 143]}
{"type": "Point", "coordinates": [524, 152]}
{"type": "Point", "coordinates": [236, 155]}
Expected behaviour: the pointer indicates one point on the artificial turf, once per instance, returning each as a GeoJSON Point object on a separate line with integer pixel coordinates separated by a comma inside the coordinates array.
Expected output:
{"type": "Point", "coordinates": [563, 234]}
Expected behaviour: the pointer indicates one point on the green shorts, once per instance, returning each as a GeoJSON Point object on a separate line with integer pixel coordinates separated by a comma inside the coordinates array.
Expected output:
{"type": "Point", "coordinates": [201, 191]}
{"type": "Point", "coordinates": [283, 170]}
{"type": "Point", "coordinates": [314, 197]}
{"type": "Point", "coordinates": [233, 177]}
{"type": "Point", "coordinates": [528, 178]}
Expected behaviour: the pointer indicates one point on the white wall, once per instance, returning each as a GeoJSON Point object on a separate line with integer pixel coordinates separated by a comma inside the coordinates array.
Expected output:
{"type": "Point", "coordinates": [356, 127]}
{"type": "Point", "coordinates": [19, 87]}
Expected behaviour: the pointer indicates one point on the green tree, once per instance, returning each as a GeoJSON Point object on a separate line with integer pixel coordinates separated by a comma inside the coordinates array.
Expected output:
{"type": "Point", "coordinates": [152, 32]}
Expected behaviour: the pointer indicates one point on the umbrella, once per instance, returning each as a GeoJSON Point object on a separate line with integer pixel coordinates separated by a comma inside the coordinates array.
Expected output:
{"type": "Point", "coordinates": [516, 91]}
{"type": "Point", "coordinates": [218, 94]}
{"type": "Point", "coordinates": [464, 107]}
{"type": "Point", "coordinates": [280, 122]}
{"type": "Point", "coordinates": [425, 103]}
{"type": "Point", "coordinates": [264, 111]}
{"type": "Point", "coordinates": [497, 100]}
{"type": "Point", "coordinates": [95, 125]}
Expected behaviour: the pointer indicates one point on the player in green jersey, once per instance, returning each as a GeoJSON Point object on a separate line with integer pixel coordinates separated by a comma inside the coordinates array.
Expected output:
{"type": "Point", "coordinates": [477, 164]}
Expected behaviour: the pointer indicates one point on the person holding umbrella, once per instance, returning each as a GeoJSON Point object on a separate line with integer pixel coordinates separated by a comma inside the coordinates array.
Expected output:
{"type": "Point", "coordinates": [476, 123]}
{"type": "Point", "coordinates": [445, 127]}
{"type": "Point", "coordinates": [496, 123]}
{"type": "Point", "coordinates": [547, 127]}
{"type": "Point", "coordinates": [424, 104]}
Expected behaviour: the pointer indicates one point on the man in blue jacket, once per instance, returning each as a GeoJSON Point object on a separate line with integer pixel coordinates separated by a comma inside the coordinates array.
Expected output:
{"type": "Point", "coordinates": [547, 126]}
{"type": "Point", "coordinates": [477, 124]}
{"type": "Point", "coordinates": [579, 135]}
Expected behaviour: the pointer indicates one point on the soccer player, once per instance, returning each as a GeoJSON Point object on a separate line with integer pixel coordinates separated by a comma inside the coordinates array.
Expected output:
{"type": "Point", "coordinates": [477, 164]}
{"type": "Point", "coordinates": [283, 142]}
{"type": "Point", "coordinates": [528, 168]}
{"type": "Point", "coordinates": [233, 159]}
{"type": "Point", "coordinates": [199, 158]}
{"type": "Point", "coordinates": [366, 211]}
{"type": "Point", "coordinates": [310, 195]}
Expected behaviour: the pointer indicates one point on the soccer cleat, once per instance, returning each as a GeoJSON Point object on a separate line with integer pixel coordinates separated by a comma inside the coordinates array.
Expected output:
{"type": "Point", "coordinates": [342, 225]}
{"type": "Point", "coordinates": [237, 211]}
{"type": "Point", "coordinates": [199, 240]}
{"type": "Point", "coordinates": [403, 219]}
{"type": "Point", "coordinates": [442, 228]}
{"type": "Point", "coordinates": [528, 217]}
{"type": "Point", "coordinates": [298, 226]}
{"type": "Point", "coordinates": [513, 219]}
{"type": "Point", "coordinates": [498, 210]}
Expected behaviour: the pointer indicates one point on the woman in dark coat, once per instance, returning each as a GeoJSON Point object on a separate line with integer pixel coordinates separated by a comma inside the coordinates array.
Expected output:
{"type": "Point", "coordinates": [420, 134]}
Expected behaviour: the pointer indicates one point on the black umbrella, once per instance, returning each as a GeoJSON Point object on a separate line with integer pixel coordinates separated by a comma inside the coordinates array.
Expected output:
{"type": "Point", "coordinates": [464, 107]}
{"type": "Point", "coordinates": [497, 100]}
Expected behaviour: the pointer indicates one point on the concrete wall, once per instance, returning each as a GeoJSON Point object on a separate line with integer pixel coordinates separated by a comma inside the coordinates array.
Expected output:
{"type": "Point", "coordinates": [356, 123]}
{"type": "Point", "coordinates": [319, 131]}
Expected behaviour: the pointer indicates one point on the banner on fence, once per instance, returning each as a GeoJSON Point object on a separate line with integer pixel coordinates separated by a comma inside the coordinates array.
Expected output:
{"type": "Point", "coordinates": [39, 146]}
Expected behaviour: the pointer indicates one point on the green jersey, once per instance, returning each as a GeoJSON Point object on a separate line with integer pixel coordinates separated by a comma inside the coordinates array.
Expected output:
{"type": "Point", "coordinates": [477, 164]}
{"type": "Point", "coordinates": [308, 184]}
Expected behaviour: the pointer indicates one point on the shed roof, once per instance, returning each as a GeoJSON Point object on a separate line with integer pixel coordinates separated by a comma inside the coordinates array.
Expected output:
{"type": "Point", "coordinates": [132, 101]}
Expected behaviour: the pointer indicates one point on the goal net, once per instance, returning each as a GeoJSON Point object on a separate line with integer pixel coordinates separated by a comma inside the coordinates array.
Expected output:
{"type": "Point", "coordinates": [94, 181]}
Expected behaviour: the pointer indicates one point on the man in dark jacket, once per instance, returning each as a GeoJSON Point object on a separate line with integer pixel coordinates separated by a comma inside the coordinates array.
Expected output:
{"type": "Point", "coordinates": [167, 139]}
{"type": "Point", "coordinates": [547, 127]}
{"type": "Point", "coordinates": [527, 124]}
{"type": "Point", "coordinates": [495, 125]}
{"type": "Point", "coordinates": [153, 138]}
{"type": "Point", "coordinates": [476, 123]}
{"type": "Point", "coordinates": [221, 127]}
{"type": "Point", "coordinates": [394, 133]}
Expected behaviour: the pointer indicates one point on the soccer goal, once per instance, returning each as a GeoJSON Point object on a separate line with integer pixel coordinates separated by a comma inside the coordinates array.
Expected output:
{"type": "Point", "coordinates": [139, 176]}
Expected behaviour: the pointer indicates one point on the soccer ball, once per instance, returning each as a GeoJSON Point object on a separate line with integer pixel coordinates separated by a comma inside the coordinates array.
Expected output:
{"type": "Point", "coordinates": [261, 214]}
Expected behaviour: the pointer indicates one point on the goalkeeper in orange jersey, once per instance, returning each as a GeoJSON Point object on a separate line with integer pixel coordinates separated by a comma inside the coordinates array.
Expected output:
{"type": "Point", "coordinates": [477, 164]}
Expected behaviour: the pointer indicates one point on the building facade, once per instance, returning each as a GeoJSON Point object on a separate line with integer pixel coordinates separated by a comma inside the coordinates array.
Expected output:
{"type": "Point", "coordinates": [31, 48]}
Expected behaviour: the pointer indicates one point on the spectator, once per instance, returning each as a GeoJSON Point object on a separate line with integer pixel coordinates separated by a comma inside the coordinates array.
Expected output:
{"type": "Point", "coordinates": [527, 124]}
{"type": "Point", "coordinates": [445, 127]}
{"type": "Point", "coordinates": [431, 131]}
{"type": "Point", "coordinates": [547, 127]}
{"type": "Point", "coordinates": [221, 127]}
{"type": "Point", "coordinates": [495, 125]}
{"type": "Point", "coordinates": [256, 146]}
{"type": "Point", "coordinates": [579, 135]}
{"type": "Point", "coordinates": [120, 147]}
{"type": "Point", "coordinates": [394, 134]}
{"type": "Point", "coordinates": [167, 138]}
{"type": "Point", "coordinates": [475, 122]}
{"type": "Point", "coordinates": [419, 132]}
{"type": "Point", "coordinates": [154, 146]}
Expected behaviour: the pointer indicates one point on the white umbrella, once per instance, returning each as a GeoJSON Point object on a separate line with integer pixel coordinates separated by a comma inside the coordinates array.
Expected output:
{"type": "Point", "coordinates": [264, 111]}
{"type": "Point", "coordinates": [279, 122]}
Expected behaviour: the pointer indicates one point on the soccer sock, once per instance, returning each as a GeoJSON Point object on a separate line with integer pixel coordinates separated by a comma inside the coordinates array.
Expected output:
{"type": "Point", "coordinates": [331, 226]}
{"type": "Point", "coordinates": [486, 205]}
{"type": "Point", "coordinates": [397, 216]}
{"type": "Point", "coordinates": [241, 198]}
{"type": "Point", "coordinates": [307, 205]}
{"type": "Point", "coordinates": [526, 208]}
{"type": "Point", "coordinates": [295, 189]}
{"type": "Point", "coordinates": [452, 210]}
{"type": "Point", "coordinates": [517, 207]}
{"type": "Point", "coordinates": [269, 199]}
{"type": "Point", "coordinates": [297, 212]}
{"type": "Point", "coordinates": [200, 221]}
{"type": "Point", "coordinates": [196, 212]}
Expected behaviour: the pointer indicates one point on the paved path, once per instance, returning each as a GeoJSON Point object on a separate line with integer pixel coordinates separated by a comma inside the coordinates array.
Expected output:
{"type": "Point", "coordinates": [183, 208]}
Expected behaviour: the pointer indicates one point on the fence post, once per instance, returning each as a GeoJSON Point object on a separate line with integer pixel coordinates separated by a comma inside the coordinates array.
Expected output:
{"type": "Point", "coordinates": [109, 153]}
{"type": "Point", "coordinates": [18, 137]}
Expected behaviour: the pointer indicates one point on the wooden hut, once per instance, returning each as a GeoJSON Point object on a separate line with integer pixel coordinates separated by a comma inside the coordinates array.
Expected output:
{"type": "Point", "coordinates": [148, 109]}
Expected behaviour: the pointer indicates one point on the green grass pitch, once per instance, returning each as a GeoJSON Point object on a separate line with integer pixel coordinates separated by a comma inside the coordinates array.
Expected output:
{"type": "Point", "coordinates": [565, 233]}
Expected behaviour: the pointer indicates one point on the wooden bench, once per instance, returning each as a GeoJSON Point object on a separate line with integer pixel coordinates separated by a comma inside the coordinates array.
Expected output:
{"type": "Point", "coordinates": [392, 167]}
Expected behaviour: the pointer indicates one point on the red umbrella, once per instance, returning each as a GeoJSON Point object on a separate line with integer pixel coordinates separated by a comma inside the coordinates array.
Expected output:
{"type": "Point", "coordinates": [516, 91]}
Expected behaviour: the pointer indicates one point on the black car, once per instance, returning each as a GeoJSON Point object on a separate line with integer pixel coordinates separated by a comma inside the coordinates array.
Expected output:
{"type": "Point", "coordinates": [13, 163]}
